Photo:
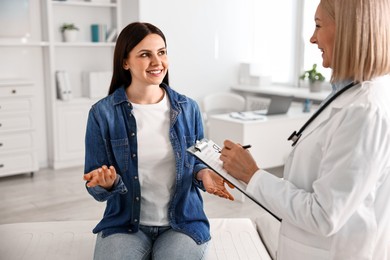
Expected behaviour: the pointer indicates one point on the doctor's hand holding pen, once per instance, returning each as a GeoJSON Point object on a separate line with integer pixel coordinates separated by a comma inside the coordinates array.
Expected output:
{"type": "Point", "coordinates": [237, 161]}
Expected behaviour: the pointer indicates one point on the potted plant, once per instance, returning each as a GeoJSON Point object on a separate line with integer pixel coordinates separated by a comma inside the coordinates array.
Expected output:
{"type": "Point", "coordinates": [315, 78]}
{"type": "Point", "coordinates": [69, 32]}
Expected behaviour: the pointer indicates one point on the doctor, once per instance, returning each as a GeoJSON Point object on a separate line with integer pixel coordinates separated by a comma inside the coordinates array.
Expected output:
{"type": "Point", "coordinates": [334, 197]}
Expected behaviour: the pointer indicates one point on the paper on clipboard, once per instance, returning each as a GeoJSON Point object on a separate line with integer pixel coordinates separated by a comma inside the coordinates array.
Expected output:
{"type": "Point", "coordinates": [209, 152]}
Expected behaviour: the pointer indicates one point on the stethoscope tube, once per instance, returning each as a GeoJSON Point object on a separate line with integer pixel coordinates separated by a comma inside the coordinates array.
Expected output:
{"type": "Point", "coordinates": [294, 137]}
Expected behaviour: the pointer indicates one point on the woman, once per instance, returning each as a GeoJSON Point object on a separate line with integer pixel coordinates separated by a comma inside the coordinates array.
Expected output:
{"type": "Point", "coordinates": [136, 158]}
{"type": "Point", "coordinates": [333, 199]}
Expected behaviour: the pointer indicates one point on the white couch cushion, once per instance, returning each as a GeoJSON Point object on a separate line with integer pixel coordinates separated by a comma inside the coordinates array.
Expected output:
{"type": "Point", "coordinates": [65, 240]}
{"type": "Point", "coordinates": [234, 239]}
{"type": "Point", "coordinates": [268, 228]}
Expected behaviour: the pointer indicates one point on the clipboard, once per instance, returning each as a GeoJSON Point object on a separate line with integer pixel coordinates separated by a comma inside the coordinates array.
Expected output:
{"type": "Point", "coordinates": [209, 152]}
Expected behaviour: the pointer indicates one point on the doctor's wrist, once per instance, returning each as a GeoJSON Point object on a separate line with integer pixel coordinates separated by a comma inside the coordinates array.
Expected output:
{"type": "Point", "coordinates": [249, 173]}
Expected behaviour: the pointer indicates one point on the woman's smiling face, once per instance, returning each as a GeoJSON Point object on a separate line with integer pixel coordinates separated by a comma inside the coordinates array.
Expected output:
{"type": "Point", "coordinates": [324, 36]}
{"type": "Point", "coordinates": [148, 61]}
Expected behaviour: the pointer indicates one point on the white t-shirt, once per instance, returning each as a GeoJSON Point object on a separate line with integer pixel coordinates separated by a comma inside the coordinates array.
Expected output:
{"type": "Point", "coordinates": [156, 161]}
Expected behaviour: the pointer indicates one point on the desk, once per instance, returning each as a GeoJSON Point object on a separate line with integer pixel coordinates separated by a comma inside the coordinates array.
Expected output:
{"type": "Point", "coordinates": [299, 94]}
{"type": "Point", "coordinates": [268, 137]}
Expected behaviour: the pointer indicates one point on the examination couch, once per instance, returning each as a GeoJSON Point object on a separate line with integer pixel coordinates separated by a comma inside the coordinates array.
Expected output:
{"type": "Point", "coordinates": [232, 239]}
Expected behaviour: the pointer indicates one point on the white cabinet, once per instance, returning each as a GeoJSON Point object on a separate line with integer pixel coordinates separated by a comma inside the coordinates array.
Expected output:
{"type": "Point", "coordinates": [268, 137]}
{"type": "Point", "coordinates": [67, 119]}
{"type": "Point", "coordinates": [70, 125]}
{"type": "Point", "coordinates": [17, 136]}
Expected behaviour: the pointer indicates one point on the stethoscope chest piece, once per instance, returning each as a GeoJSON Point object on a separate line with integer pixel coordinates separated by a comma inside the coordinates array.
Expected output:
{"type": "Point", "coordinates": [294, 137]}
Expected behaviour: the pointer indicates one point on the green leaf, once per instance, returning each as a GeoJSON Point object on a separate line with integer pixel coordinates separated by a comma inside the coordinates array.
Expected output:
{"type": "Point", "coordinates": [312, 75]}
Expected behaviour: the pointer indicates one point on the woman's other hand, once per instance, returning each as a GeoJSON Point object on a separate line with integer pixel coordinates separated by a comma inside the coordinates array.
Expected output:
{"type": "Point", "coordinates": [214, 184]}
{"type": "Point", "coordinates": [103, 176]}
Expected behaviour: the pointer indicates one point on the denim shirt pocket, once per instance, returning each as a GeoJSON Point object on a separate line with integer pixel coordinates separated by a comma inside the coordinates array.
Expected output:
{"type": "Point", "coordinates": [121, 150]}
{"type": "Point", "coordinates": [189, 160]}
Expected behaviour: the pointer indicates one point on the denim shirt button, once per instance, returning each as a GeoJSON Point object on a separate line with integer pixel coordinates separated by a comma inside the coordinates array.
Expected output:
{"type": "Point", "coordinates": [130, 230]}
{"type": "Point", "coordinates": [133, 155]}
{"type": "Point", "coordinates": [135, 220]}
{"type": "Point", "coordinates": [132, 134]}
{"type": "Point", "coordinates": [135, 177]}
{"type": "Point", "coordinates": [137, 198]}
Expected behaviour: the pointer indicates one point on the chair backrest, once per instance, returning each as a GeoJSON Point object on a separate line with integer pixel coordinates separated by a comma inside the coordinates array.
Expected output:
{"type": "Point", "coordinates": [223, 102]}
{"type": "Point", "coordinates": [219, 103]}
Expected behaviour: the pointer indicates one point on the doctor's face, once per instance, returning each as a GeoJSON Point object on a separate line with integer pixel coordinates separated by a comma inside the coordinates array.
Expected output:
{"type": "Point", "coordinates": [324, 35]}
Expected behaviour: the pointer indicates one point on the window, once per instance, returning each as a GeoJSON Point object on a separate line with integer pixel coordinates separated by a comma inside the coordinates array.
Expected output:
{"type": "Point", "coordinates": [311, 53]}
{"type": "Point", "coordinates": [274, 39]}
{"type": "Point", "coordinates": [14, 18]}
{"type": "Point", "coordinates": [281, 41]}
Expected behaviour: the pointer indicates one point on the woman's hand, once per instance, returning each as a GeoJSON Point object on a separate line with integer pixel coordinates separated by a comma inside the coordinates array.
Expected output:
{"type": "Point", "coordinates": [103, 176]}
{"type": "Point", "coordinates": [214, 184]}
{"type": "Point", "coordinates": [237, 161]}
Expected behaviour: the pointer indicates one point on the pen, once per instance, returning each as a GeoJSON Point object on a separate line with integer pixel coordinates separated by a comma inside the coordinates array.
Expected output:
{"type": "Point", "coordinates": [244, 146]}
{"type": "Point", "coordinates": [247, 146]}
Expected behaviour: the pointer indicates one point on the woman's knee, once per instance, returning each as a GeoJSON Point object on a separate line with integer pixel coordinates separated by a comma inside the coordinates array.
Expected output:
{"type": "Point", "coordinates": [123, 246]}
{"type": "Point", "coordinates": [176, 245]}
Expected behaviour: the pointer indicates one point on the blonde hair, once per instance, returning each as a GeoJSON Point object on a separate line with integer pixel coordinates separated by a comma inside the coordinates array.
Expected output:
{"type": "Point", "coordinates": [362, 41]}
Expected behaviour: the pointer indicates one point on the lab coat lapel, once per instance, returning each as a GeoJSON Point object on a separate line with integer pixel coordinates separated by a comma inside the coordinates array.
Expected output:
{"type": "Point", "coordinates": [324, 116]}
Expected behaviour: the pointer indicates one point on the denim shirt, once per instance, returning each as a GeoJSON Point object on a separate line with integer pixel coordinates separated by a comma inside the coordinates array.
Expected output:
{"type": "Point", "coordinates": [111, 139]}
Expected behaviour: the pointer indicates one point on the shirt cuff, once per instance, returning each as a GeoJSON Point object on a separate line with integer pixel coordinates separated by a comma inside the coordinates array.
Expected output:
{"type": "Point", "coordinates": [252, 184]}
{"type": "Point", "coordinates": [101, 194]}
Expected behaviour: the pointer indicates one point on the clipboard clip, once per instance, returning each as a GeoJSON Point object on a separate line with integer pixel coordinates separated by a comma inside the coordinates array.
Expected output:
{"type": "Point", "coordinates": [200, 145]}
{"type": "Point", "coordinates": [203, 144]}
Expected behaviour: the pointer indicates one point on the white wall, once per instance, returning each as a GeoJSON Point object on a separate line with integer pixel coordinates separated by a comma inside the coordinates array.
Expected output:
{"type": "Point", "coordinates": [206, 41]}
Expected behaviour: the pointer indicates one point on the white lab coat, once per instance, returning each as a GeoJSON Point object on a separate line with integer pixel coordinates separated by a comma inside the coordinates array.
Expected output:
{"type": "Point", "coordinates": [335, 196]}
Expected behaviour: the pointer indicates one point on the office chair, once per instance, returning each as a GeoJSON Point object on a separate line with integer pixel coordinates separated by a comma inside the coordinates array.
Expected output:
{"type": "Point", "coordinates": [219, 103]}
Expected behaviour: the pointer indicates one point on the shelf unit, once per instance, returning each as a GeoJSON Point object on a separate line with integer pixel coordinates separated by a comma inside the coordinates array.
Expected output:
{"type": "Point", "coordinates": [22, 124]}
{"type": "Point", "coordinates": [67, 119]}
{"type": "Point", "coordinates": [17, 133]}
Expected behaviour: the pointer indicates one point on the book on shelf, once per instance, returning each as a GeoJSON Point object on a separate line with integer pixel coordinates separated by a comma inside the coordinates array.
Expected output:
{"type": "Point", "coordinates": [98, 32]}
{"type": "Point", "coordinates": [96, 84]}
{"type": "Point", "coordinates": [64, 89]}
{"type": "Point", "coordinates": [111, 35]}
{"type": "Point", "coordinates": [99, 1]}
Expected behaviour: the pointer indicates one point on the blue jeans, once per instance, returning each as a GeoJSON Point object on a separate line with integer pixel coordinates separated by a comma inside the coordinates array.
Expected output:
{"type": "Point", "coordinates": [157, 243]}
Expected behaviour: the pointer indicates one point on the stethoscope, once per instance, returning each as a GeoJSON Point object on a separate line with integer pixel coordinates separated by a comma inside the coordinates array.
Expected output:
{"type": "Point", "coordinates": [294, 137]}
